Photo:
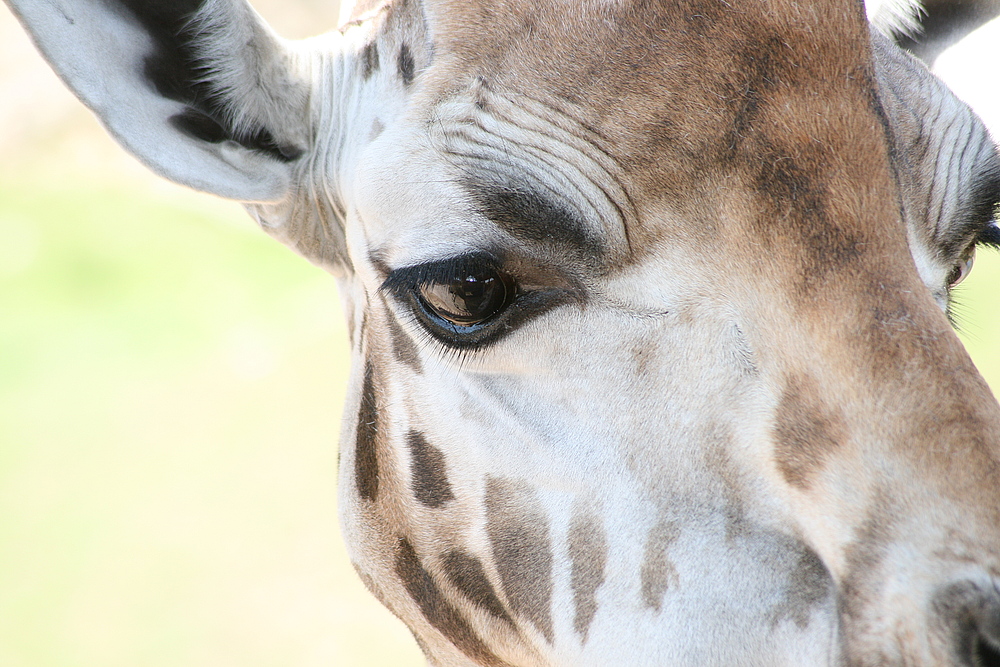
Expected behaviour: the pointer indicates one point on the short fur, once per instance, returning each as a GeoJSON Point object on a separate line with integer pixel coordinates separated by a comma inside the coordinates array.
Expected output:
{"type": "Point", "coordinates": [717, 414]}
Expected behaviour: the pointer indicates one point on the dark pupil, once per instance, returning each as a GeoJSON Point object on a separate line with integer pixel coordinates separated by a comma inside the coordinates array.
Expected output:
{"type": "Point", "coordinates": [466, 300]}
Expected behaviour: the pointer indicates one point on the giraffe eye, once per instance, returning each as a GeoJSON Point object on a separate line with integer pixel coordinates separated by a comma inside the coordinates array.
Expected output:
{"type": "Point", "coordinates": [960, 272]}
{"type": "Point", "coordinates": [466, 301]}
{"type": "Point", "coordinates": [471, 301]}
{"type": "Point", "coordinates": [469, 297]}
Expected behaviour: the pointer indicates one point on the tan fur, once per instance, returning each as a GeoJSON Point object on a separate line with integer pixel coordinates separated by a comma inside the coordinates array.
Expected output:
{"type": "Point", "coordinates": [753, 136]}
{"type": "Point", "coordinates": [718, 414]}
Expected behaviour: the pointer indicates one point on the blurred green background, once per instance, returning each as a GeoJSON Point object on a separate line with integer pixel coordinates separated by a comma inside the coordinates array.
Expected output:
{"type": "Point", "coordinates": [171, 383]}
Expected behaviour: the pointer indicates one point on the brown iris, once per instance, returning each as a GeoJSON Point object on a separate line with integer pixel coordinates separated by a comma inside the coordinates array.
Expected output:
{"type": "Point", "coordinates": [470, 297]}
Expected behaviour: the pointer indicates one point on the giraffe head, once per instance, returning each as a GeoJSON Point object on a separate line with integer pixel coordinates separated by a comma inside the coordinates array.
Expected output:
{"type": "Point", "coordinates": [647, 301]}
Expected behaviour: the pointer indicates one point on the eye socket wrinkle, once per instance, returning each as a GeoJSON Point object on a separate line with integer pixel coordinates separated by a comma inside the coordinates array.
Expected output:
{"type": "Point", "coordinates": [533, 218]}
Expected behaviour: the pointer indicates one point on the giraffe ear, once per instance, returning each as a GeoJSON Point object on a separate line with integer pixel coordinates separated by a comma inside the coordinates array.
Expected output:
{"type": "Point", "coordinates": [201, 91]}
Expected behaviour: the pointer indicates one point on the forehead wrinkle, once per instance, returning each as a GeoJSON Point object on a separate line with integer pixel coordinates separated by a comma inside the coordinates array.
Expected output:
{"type": "Point", "coordinates": [503, 138]}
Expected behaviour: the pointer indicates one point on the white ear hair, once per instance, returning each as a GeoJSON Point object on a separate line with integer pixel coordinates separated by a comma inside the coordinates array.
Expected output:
{"type": "Point", "coordinates": [259, 79]}
{"type": "Point", "coordinates": [200, 90]}
{"type": "Point", "coordinates": [895, 17]}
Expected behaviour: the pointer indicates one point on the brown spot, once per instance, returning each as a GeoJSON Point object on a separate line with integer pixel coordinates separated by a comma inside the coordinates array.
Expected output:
{"type": "Point", "coordinates": [405, 64]}
{"type": "Point", "coordinates": [377, 128]}
{"type": "Point", "coordinates": [658, 573]}
{"type": "Point", "coordinates": [466, 573]}
{"type": "Point", "coordinates": [805, 431]}
{"type": "Point", "coordinates": [403, 348]}
{"type": "Point", "coordinates": [366, 449]}
{"type": "Point", "coordinates": [448, 621]}
{"type": "Point", "coordinates": [430, 482]}
{"type": "Point", "coordinates": [522, 552]}
{"type": "Point", "coordinates": [369, 60]}
{"type": "Point", "coordinates": [863, 572]}
{"type": "Point", "coordinates": [809, 584]}
{"type": "Point", "coordinates": [758, 71]}
{"type": "Point", "coordinates": [588, 553]}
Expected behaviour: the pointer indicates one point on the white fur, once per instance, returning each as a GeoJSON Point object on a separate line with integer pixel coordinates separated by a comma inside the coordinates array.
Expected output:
{"type": "Point", "coordinates": [100, 55]}
{"type": "Point", "coordinates": [895, 16]}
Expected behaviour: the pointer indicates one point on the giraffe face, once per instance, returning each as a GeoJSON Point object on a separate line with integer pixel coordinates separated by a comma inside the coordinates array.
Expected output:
{"type": "Point", "coordinates": [650, 363]}
{"type": "Point", "coordinates": [703, 308]}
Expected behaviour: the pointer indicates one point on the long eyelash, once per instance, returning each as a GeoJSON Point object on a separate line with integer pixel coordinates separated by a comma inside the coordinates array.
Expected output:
{"type": "Point", "coordinates": [521, 306]}
{"type": "Point", "coordinates": [411, 277]}
{"type": "Point", "coordinates": [426, 341]}
{"type": "Point", "coordinates": [990, 236]}
{"type": "Point", "coordinates": [959, 313]}
{"type": "Point", "coordinates": [404, 282]}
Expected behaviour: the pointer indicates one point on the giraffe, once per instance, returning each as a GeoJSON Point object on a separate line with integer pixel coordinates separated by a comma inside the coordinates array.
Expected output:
{"type": "Point", "coordinates": [647, 305]}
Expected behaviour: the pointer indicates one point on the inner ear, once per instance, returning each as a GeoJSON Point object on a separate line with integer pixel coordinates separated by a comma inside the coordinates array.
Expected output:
{"type": "Point", "coordinates": [180, 68]}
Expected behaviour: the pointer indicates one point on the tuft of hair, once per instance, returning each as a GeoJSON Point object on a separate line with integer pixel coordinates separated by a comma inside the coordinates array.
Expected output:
{"type": "Point", "coordinates": [257, 79]}
{"type": "Point", "coordinates": [895, 17]}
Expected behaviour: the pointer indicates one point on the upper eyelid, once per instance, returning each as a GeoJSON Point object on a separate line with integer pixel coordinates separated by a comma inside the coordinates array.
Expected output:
{"type": "Point", "coordinates": [528, 272]}
{"type": "Point", "coordinates": [410, 276]}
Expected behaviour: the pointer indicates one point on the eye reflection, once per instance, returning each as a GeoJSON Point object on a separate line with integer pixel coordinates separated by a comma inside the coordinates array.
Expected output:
{"type": "Point", "coordinates": [961, 272]}
{"type": "Point", "coordinates": [470, 297]}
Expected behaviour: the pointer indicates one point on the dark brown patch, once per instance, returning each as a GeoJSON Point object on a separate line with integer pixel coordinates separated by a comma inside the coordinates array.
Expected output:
{"type": "Point", "coordinates": [658, 572]}
{"type": "Point", "coordinates": [794, 191]}
{"type": "Point", "coordinates": [448, 621]}
{"type": "Point", "coordinates": [176, 71]}
{"type": "Point", "coordinates": [403, 348]}
{"type": "Point", "coordinates": [809, 584]}
{"type": "Point", "coordinates": [793, 179]}
{"type": "Point", "coordinates": [466, 573]}
{"type": "Point", "coordinates": [588, 553]}
{"type": "Point", "coordinates": [369, 60]}
{"type": "Point", "coordinates": [805, 431]}
{"type": "Point", "coordinates": [522, 552]}
{"type": "Point", "coordinates": [529, 216]}
{"type": "Point", "coordinates": [758, 72]}
{"type": "Point", "coordinates": [366, 448]}
{"type": "Point", "coordinates": [405, 64]}
{"type": "Point", "coordinates": [427, 467]}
